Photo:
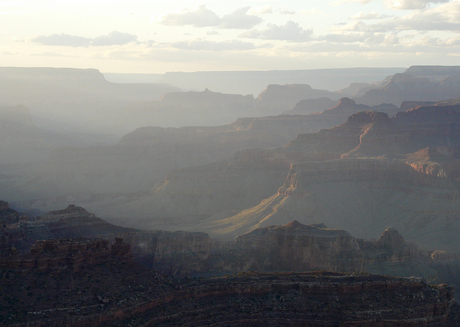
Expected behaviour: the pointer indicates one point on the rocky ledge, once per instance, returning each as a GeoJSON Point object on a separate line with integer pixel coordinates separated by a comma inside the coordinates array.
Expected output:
{"type": "Point", "coordinates": [358, 170]}
{"type": "Point", "coordinates": [66, 254]}
{"type": "Point", "coordinates": [307, 299]}
{"type": "Point", "coordinates": [127, 295]}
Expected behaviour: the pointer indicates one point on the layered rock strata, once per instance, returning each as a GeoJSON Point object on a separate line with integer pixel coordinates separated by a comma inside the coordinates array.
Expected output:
{"type": "Point", "coordinates": [52, 256]}
{"type": "Point", "coordinates": [122, 295]}
{"type": "Point", "coordinates": [417, 83]}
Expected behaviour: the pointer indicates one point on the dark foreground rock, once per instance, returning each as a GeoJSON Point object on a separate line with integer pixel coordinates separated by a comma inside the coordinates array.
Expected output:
{"type": "Point", "coordinates": [128, 295]}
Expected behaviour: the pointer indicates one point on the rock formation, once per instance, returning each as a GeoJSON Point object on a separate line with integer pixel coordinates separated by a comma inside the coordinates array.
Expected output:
{"type": "Point", "coordinates": [82, 93]}
{"type": "Point", "coordinates": [396, 185]}
{"type": "Point", "coordinates": [298, 247]}
{"type": "Point", "coordinates": [252, 82]}
{"type": "Point", "coordinates": [170, 252]}
{"type": "Point", "coordinates": [279, 98]}
{"type": "Point", "coordinates": [143, 157]}
{"type": "Point", "coordinates": [53, 256]}
{"type": "Point", "coordinates": [7, 215]}
{"type": "Point", "coordinates": [311, 106]}
{"type": "Point", "coordinates": [417, 83]}
{"type": "Point", "coordinates": [127, 295]}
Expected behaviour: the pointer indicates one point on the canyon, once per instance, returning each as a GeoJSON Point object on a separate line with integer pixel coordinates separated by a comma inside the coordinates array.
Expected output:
{"type": "Point", "coordinates": [420, 144]}
{"type": "Point", "coordinates": [166, 224]}
{"type": "Point", "coordinates": [96, 282]}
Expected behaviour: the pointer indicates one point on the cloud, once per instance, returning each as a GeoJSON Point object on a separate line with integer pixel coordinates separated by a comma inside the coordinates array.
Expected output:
{"type": "Point", "coordinates": [339, 2]}
{"type": "Point", "coordinates": [201, 17]}
{"type": "Point", "coordinates": [62, 40]}
{"type": "Point", "coordinates": [410, 4]}
{"type": "Point", "coordinates": [345, 38]}
{"type": "Point", "coordinates": [113, 38]}
{"type": "Point", "coordinates": [360, 38]}
{"type": "Point", "coordinates": [312, 11]}
{"type": "Point", "coordinates": [396, 4]}
{"type": "Point", "coordinates": [203, 45]}
{"type": "Point", "coordinates": [445, 17]}
{"type": "Point", "coordinates": [261, 11]}
{"type": "Point", "coordinates": [369, 15]}
{"type": "Point", "coordinates": [290, 31]}
{"type": "Point", "coordinates": [239, 19]}
{"type": "Point", "coordinates": [284, 11]}
{"type": "Point", "coordinates": [52, 54]}
{"type": "Point", "coordinates": [9, 53]}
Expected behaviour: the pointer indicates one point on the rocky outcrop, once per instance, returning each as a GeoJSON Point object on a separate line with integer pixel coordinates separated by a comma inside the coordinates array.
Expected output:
{"type": "Point", "coordinates": [360, 195]}
{"type": "Point", "coordinates": [173, 253]}
{"type": "Point", "coordinates": [321, 299]}
{"type": "Point", "coordinates": [7, 215]}
{"type": "Point", "coordinates": [204, 108]}
{"type": "Point", "coordinates": [417, 83]}
{"type": "Point", "coordinates": [298, 247]}
{"type": "Point", "coordinates": [311, 106]}
{"type": "Point", "coordinates": [279, 98]}
{"type": "Point", "coordinates": [56, 255]}
{"type": "Point", "coordinates": [170, 252]}
{"type": "Point", "coordinates": [304, 174]}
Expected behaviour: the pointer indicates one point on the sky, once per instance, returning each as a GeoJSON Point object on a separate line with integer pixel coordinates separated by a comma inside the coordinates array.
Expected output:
{"type": "Point", "coordinates": [139, 36]}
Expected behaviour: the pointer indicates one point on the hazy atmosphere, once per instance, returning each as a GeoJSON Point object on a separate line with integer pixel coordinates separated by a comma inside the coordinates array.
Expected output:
{"type": "Point", "coordinates": [159, 36]}
{"type": "Point", "coordinates": [230, 163]}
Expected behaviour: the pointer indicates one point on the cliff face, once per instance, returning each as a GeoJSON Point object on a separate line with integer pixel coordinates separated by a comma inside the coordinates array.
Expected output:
{"type": "Point", "coordinates": [319, 299]}
{"type": "Point", "coordinates": [53, 256]}
{"type": "Point", "coordinates": [418, 83]}
{"type": "Point", "coordinates": [311, 106]}
{"type": "Point", "coordinates": [362, 196]}
{"type": "Point", "coordinates": [391, 177]}
{"type": "Point", "coordinates": [142, 158]}
{"type": "Point", "coordinates": [299, 247]}
{"type": "Point", "coordinates": [278, 98]}
{"type": "Point", "coordinates": [286, 299]}
{"type": "Point", "coordinates": [171, 252]}
{"type": "Point", "coordinates": [7, 215]}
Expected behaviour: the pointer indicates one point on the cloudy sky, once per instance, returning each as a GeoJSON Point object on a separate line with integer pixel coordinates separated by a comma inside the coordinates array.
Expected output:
{"type": "Point", "coordinates": [148, 36]}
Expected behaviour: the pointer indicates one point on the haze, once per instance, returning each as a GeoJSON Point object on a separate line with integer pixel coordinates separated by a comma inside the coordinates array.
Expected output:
{"type": "Point", "coordinates": [301, 158]}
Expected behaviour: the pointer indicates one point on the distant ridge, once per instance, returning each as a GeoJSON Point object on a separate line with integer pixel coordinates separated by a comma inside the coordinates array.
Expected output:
{"type": "Point", "coordinates": [253, 82]}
